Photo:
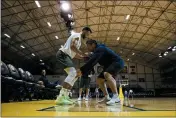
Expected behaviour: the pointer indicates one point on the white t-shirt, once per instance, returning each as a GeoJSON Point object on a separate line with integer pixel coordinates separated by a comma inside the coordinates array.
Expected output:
{"type": "Point", "coordinates": [67, 47]}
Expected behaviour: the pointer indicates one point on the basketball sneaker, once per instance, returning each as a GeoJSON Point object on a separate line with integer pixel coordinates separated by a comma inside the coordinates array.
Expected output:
{"type": "Point", "coordinates": [79, 99]}
{"type": "Point", "coordinates": [86, 99]}
{"type": "Point", "coordinates": [113, 101]}
{"type": "Point", "coordinates": [68, 98]}
{"type": "Point", "coordinates": [105, 99]}
{"type": "Point", "coordinates": [58, 86]}
{"type": "Point", "coordinates": [62, 101]}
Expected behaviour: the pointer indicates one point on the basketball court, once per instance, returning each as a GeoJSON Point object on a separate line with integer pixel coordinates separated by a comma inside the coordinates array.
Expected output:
{"type": "Point", "coordinates": [141, 33]}
{"type": "Point", "coordinates": [144, 107]}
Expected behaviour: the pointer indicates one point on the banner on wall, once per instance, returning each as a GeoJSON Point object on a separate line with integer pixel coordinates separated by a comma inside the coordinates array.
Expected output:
{"type": "Point", "coordinates": [132, 69]}
{"type": "Point", "coordinates": [141, 79]}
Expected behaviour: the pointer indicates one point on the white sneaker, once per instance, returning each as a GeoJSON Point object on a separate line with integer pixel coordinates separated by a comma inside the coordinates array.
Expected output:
{"type": "Point", "coordinates": [58, 86]}
{"type": "Point", "coordinates": [105, 99]}
{"type": "Point", "coordinates": [86, 99]}
{"type": "Point", "coordinates": [79, 99]}
{"type": "Point", "coordinates": [113, 101]}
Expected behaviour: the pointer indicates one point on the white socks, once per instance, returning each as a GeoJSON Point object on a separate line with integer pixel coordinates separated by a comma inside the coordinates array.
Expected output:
{"type": "Point", "coordinates": [86, 96]}
{"type": "Point", "coordinates": [115, 95]}
{"type": "Point", "coordinates": [107, 96]}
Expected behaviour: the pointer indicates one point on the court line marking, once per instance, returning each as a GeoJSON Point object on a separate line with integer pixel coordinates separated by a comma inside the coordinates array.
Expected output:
{"type": "Point", "coordinates": [135, 108]}
{"type": "Point", "coordinates": [43, 109]}
{"type": "Point", "coordinates": [139, 109]}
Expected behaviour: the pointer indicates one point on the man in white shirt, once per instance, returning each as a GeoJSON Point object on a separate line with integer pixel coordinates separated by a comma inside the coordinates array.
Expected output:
{"type": "Point", "coordinates": [64, 56]}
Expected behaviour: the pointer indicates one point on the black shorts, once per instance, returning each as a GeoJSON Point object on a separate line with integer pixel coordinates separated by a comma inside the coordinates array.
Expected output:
{"type": "Point", "coordinates": [64, 59]}
{"type": "Point", "coordinates": [85, 82]}
{"type": "Point", "coordinates": [113, 69]}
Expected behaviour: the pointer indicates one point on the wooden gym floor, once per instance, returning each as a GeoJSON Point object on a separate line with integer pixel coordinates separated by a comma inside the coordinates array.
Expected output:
{"type": "Point", "coordinates": [141, 107]}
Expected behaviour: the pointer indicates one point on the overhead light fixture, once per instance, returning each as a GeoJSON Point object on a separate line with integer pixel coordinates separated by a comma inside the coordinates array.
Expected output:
{"type": "Point", "coordinates": [42, 63]}
{"type": "Point", "coordinates": [127, 17]}
{"type": "Point", "coordinates": [160, 55]}
{"type": "Point", "coordinates": [33, 54]}
{"type": "Point", "coordinates": [7, 35]}
{"type": "Point", "coordinates": [49, 24]}
{"type": "Point", "coordinates": [37, 3]}
{"type": "Point", "coordinates": [165, 54]}
{"type": "Point", "coordinates": [56, 37]}
{"type": "Point", "coordinates": [118, 38]}
{"type": "Point", "coordinates": [72, 32]}
{"type": "Point", "coordinates": [22, 46]}
{"type": "Point", "coordinates": [65, 6]}
{"type": "Point", "coordinates": [169, 48]}
{"type": "Point", "coordinates": [72, 23]}
{"type": "Point", "coordinates": [128, 59]}
{"type": "Point", "coordinates": [133, 53]}
{"type": "Point", "coordinates": [41, 60]}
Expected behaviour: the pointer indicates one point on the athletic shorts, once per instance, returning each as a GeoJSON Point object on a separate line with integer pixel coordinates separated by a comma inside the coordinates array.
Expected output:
{"type": "Point", "coordinates": [85, 82]}
{"type": "Point", "coordinates": [113, 69]}
{"type": "Point", "coordinates": [64, 59]}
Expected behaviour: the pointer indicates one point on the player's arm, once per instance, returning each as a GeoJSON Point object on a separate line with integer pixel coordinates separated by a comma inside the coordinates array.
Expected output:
{"type": "Point", "coordinates": [92, 61]}
{"type": "Point", "coordinates": [77, 56]}
{"type": "Point", "coordinates": [74, 48]}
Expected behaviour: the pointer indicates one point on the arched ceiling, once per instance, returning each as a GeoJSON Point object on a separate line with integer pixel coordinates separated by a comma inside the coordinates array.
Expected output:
{"type": "Point", "coordinates": [150, 29]}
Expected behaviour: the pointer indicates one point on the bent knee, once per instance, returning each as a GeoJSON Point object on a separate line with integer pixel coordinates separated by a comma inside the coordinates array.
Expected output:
{"type": "Point", "coordinates": [71, 72]}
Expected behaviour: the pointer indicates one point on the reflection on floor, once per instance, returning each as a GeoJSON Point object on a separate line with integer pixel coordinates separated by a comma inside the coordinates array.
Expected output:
{"type": "Point", "coordinates": [137, 107]}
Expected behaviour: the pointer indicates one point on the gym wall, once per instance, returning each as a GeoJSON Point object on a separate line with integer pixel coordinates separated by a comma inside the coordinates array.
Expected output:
{"type": "Point", "coordinates": [139, 76]}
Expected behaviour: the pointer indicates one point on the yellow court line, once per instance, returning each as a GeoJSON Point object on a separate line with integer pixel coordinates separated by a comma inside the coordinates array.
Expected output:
{"type": "Point", "coordinates": [138, 113]}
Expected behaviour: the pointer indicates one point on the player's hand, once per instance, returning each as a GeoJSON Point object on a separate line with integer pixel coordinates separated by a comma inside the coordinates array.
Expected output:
{"type": "Point", "coordinates": [88, 54]}
{"type": "Point", "coordinates": [79, 73]}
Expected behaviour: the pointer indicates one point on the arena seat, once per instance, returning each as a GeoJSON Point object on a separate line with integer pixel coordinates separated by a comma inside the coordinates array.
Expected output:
{"type": "Point", "coordinates": [7, 82]}
{"type": "Point", "coordinates": [5, 74]}
{"type": "Point", "coordinates": [14, 74]}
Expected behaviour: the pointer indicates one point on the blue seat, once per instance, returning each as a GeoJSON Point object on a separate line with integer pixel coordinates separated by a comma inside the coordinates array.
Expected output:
{"type": "Point", "coordinates": [5, 74]}
{"type": "Point", "coordinates": [14, 74]}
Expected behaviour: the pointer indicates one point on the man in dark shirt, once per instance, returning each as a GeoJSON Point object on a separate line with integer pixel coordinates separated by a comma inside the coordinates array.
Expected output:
{"type": "Point", "coordinates": [43, 80]}
{"type": "Point", "coordinates": [85, 82]}
{"type": "Point", "coordinates": [112, 64]}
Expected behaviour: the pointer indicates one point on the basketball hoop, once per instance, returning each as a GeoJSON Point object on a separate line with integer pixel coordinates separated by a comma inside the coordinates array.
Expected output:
{"type": "Point", "coordinates": [123, 82]}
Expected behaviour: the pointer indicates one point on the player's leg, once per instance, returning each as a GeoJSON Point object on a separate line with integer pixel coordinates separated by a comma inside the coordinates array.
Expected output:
{"type": "Point", "coordinates": [80, 94]}
{"type": "Point", "coordinates": [87, 94]}
{"type": "Point", "coordinates": [111, 81]}
{"type": "Point", "coordinates": [113, 69]}
{"type": "Point", "coordinates": [66, 61]}
{"type": "Point", "coordinates": [87, 86]}
{"type": "Point", "coordinates": [102, 84]}
{"type": "Point", "coordinates": [81, 87]}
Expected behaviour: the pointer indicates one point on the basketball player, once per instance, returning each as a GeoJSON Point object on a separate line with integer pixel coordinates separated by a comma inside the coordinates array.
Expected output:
{"type": "Point", "coordinates": [64, 56]}
{"type": "Point", "coordinates": [97, 92]}
{"type": "Point", "coordinates": [85, 81]}
{"type": "Point", "coordinates": [111, 62]}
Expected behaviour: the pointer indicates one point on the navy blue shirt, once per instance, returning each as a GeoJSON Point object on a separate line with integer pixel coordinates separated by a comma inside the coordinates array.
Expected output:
{"type": "Point", "coordinates": [102, 55]}
{"type": "Point", "coordinates": [44, 80]}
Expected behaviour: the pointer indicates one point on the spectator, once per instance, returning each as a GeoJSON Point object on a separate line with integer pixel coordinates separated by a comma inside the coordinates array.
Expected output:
{"type": "Point", "coordinates": [44, 81]}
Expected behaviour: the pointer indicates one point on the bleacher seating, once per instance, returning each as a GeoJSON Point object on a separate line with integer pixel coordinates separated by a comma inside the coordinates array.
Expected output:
{"type": "Point", "coordinates": [17, 85]}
